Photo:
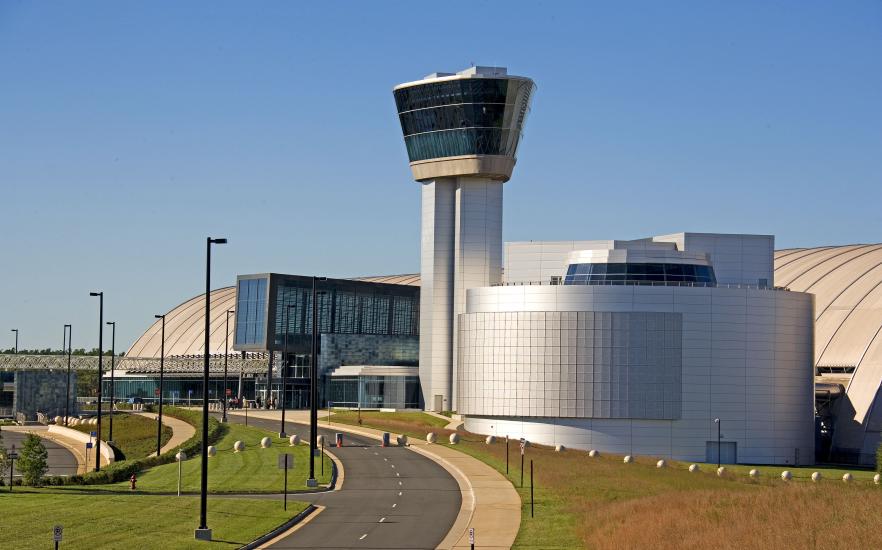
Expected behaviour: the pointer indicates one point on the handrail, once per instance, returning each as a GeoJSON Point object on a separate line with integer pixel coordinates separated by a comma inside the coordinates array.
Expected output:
{"type": "Point", "coordinates": [642, 283]}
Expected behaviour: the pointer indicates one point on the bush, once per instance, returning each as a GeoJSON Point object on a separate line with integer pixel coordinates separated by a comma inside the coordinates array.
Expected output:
{"type": "Point", "coordinates": [123, 470]}
{"type": "Point", "coordinates": [879, 458]}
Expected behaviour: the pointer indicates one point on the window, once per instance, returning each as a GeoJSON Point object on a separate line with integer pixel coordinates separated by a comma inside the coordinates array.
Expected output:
{"type": "Point", "coordinates": [251, 312]}
{"type": "Point", "coordinates": [639, 274]}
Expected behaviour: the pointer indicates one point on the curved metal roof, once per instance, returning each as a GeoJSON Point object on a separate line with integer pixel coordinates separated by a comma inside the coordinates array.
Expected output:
{"type": "Point", "coordinates": [847, 284]}
{"type": "Point", "coordinates": [185, 327]}
{"type": "Point", "coordinates": [412, 279]}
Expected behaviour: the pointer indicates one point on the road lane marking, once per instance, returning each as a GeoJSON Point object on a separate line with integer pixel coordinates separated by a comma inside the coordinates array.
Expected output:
{"type": "Point", "coordinates": [399, 483]}
{"type": "Point", "coordinates": [393, 465]}
{"type": "Point", "coordinates": [399, 493]}
{"type": "Point", "coordinates": [397, 474]}
{"type": "Point", "coordinates": [395, 505]}
{"type": "Point", "coordinates": [382, 520]}
{"type": "Point", "coordinates": [362, 537]}
{"type": "Point", "coordinates": [385, 459]}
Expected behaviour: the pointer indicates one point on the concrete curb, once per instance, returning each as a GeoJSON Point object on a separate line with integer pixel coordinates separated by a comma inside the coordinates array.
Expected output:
{"type": "Point", "coordinates": [281, 528]}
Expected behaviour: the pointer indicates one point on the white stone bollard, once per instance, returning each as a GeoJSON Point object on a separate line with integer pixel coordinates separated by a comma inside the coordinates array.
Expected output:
{"type": "Point", "coordinates": [490, 440]}
{"type": "Point", "coordinates": [454, 438]}
{"type": "Point", "coordinates": [58, 420]}
{"type": "Point", "coordinates": [786, 475]}
{"type": "Point", "coordinates": [628, 459]}
{"type": "Point", "coordinates": [402, 440]}
{"type": "Point", "coordinates": [431, 437]}
{"type": "Point", "coordinates": [754, 473]}
{"type": "Point", "coordinates": [266, 442]}
{"type": "Point", "coordinates": [661, 463]}
{"type": "Point", "coordinates": [816, 476]}
{"type": "Point", "coordinates": [694, 468]}
{"type": "Point", "coordinates": [594, 453]}
{"type": "Point", "coordinates": [94, 422]}
{"type": "Point", "coordinates": [181, 455]}
{"type": "Point", "coordinates": [238, 447]}
{"type": "Point", "coordinates": [559, 448]}
{"type": "Point", "coordinates": [847, 477]}
{"type": "Point", "coordinates": [721, 471]}
{"type": "Point", "coordinates": [294, 440]}
{"type": "Point", "coordinates": [212, 450]}
{"type": "Point", "coordinates": [877, 479]}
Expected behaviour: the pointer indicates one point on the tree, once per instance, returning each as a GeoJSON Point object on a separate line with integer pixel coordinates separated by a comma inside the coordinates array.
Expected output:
{"type": "Point", "coordinates": [4, 463]}
{"type": "Point", "coordinates": [32, 460]}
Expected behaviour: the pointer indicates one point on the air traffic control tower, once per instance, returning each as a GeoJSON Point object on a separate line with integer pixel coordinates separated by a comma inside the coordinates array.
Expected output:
{"type": "Point", "coordinates": [462, 132]}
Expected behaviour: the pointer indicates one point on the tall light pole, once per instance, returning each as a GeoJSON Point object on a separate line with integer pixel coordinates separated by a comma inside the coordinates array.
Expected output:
{"type": "Point", "coordinates": [161, 380]}
{"type": "Point", "coordinates": [15, 330]}
{"type": "Point", "coordinates": [282, 433]}
{"type": "Point", "coordinates": [68, 332]}
{"type": "Point", "coordinates": [313, 388]}
{"type": "Point", "coordinates": [226, 353]}
{"type": "Point", "coordinates": [203, 532]}
{"type": "Point", "coordinates": [100, 296]}
{"type": "Point", "coordinates": [719, 459]}
{"type": "Point", "coordinates": [112, 374]}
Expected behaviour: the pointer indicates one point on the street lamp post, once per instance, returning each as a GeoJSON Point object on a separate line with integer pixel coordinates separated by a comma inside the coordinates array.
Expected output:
{"type": "Point", "coordinates": [161, 382]}
{"type": "Point", "coordinates": [112, 375]}
{"type": "Point", "coordinates": [100, 296]}
{"type": "Point", "coordinates": [15, 330]}
{"type": "Point", "coordinates": [226, 353]}
{"type": "Point", "coordinates": [719, 459]}
{"type": "Point", "coordinates": [68, 332]}
{"type": "Point", "coordinates": [282, 433]}
{"type": "Point", "coordinates": [203, 532]}
{"type": "Point", "coordinates": [313, 388]}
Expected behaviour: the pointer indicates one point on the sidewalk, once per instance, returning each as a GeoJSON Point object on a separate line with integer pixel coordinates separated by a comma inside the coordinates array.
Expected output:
{"type": "Point", "coordinates": [181, 431]}
{"type": "Point", "coordinates": [490, 503]}
{"type": "Point", "coordinates": [452, 424]}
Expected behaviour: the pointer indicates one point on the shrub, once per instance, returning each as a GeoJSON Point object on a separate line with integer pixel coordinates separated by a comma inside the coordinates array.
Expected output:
{"type": "Point", "coordinates": [33, 460]}
{"type": "Point", "coordinates": [879, 458]}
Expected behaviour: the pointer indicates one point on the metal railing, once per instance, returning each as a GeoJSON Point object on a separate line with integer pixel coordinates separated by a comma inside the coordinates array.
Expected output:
{"type": "Point", "coordinates": [643, 283]}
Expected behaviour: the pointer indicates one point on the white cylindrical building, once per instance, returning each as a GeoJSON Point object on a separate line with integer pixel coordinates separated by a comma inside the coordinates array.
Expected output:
{"type": "Point", "coordinates": [462, 132]}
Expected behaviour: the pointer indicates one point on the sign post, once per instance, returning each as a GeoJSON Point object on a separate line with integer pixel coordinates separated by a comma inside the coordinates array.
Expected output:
{"type": "Point", "coordinates": [506, 455]}
{"type": "Point", "coordinates": [56, 534]}
{"type": "Point", "coordinates": [286, 462]}
{"type": "Point", "coordinates": [531, 487]}
{"type": "Point", "coordinates": [11, 456]}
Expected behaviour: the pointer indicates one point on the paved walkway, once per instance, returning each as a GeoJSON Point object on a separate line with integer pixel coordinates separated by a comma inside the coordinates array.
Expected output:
{"type": "Point", "coordinates": [181, 431]}
{"type": "Point", "coordinates": [452, 424]}
{"type": "Point", "coordinates": [490, 503]}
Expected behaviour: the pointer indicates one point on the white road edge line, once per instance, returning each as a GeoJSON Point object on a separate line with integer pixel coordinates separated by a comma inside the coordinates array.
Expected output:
{"type": "Point", "coordinates": [362, 537]}
{"type": "Point", "coordinates": [382, 520]}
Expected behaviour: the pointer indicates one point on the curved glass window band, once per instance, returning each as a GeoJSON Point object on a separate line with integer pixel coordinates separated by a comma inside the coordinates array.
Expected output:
{"type": "Point", "coordinates": [453, 143]}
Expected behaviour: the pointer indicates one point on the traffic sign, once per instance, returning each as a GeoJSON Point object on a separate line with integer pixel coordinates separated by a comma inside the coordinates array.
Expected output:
{"type": "Point", "coordinates": [471, 535]}
{"type": "Point", "coordinates": [93, 434]}
{"type": "Point", "coordinates": [12, 455]}
{"type": "Point", "coordinates": [286, 461]}
{"type": "Point", "coordinates": [156, 392]}
{"type": "Point", "coordinates": [89, 445]}
{"type": "Point", "coordinates": [57, 531]}
{"type": "Point", "coordinates": [523, 445]}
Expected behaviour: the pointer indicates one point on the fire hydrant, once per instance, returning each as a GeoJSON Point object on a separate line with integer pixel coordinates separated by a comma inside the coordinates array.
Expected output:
{"type": "Point", "coordinates": [132, 481]}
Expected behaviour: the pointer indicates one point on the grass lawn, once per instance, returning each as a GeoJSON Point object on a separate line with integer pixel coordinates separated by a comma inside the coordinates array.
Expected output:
{"type": "Point", "coordinates": [134, 435]}
{"type": "Point", "coordinates": [134, 521]}
{"type": "Point", "coordinates": [254, 470]}
{"type": "Point", "coordinates": [601, 503]}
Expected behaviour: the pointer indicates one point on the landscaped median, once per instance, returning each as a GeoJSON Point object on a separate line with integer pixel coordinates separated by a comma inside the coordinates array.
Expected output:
{"type": "Point", "coordinates": [602, 502]}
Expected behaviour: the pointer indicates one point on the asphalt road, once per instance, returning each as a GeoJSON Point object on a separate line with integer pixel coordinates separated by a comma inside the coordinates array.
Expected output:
{"type": "Point", "coordinates": [61, 461]}
{"type": "Point", "coordinates": [391, 497]}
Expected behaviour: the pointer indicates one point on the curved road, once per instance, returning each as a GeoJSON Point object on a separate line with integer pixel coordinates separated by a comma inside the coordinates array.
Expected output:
{"type": "Point", "coordinates": [62, 462]}
{"type": "Point", "coordinates": [391, 497]}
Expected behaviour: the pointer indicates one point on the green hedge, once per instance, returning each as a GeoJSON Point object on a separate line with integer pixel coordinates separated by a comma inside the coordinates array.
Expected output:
{"type": "Point", "coordinates": [879, 458]}
{"type": "Point", "coordinates": [123, 470]}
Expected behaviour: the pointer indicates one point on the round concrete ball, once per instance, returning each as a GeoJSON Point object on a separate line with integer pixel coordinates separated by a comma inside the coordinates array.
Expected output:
{"type": "Point", "coordinates": [181, 455]}
{"type": "Point", "coordinates": [754, 473]}
{"type": "Point", "coordinates": [694, 468]}
{"type": "Point", "coordinates": [490, 440]}
{"type": "Point", "coordinates": [320, 441]}
{"type": "Point", "coordinates": [431, 437]}
{"type": "Point", "coordinates": [628, 459]}
{"type": "Point", "coordinates": [212, 450]}
{"type": "Point", "coordinates": [454, 438]}
{"type": "Point", "coordinates": [816, 476]}
{"type": "Point", "coordinates": [661, 463]}
{"type": "Point", "coordinates": [786, 475]}
{"type": "Point", "coordinates": [594, 453]}
{"type": "Point", "coordinates": [877, 479]}
{"type": "Point", "coordinates": [265, 443]}
{"type": "Point", "coordinates": [402, 440]}
{"type": "Point", "coordinates": [57, 420]}
{"type": "Point", "coordinates": [238, 446]}
{"type": "Point", "coordinates": [294, 440]}
{"type": "Point", "coordinates": [846, 477]}
{"type": "Point", "coordinates": [94, 422]}
{"type": "Point", "coordinates": [721, 471]}
{"type": "Point", "coordinates": [559, 448]}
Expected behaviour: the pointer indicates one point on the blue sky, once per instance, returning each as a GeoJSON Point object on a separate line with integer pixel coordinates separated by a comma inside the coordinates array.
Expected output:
{"type": "Point", "coordinates": [131, 131]}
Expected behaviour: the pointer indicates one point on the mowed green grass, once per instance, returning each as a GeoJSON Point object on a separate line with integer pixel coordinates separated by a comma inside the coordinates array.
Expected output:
{"type": "Point", "coordinates": [602, 503]}
{"type": "Point", "coordinates": [254, 470]}
{"type": "Point", "coordinates": [133, 435]}
{"type": "Point", "coordinates": [134, 521]}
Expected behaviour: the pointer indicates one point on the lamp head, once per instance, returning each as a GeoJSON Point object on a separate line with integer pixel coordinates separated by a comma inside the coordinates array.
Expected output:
{"type": "Point", "coordinates": [217, 241]}
{"type": "Point", "coordinates": [160, 316]}
{"type": "Point", "coordinates": [96, 294]}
